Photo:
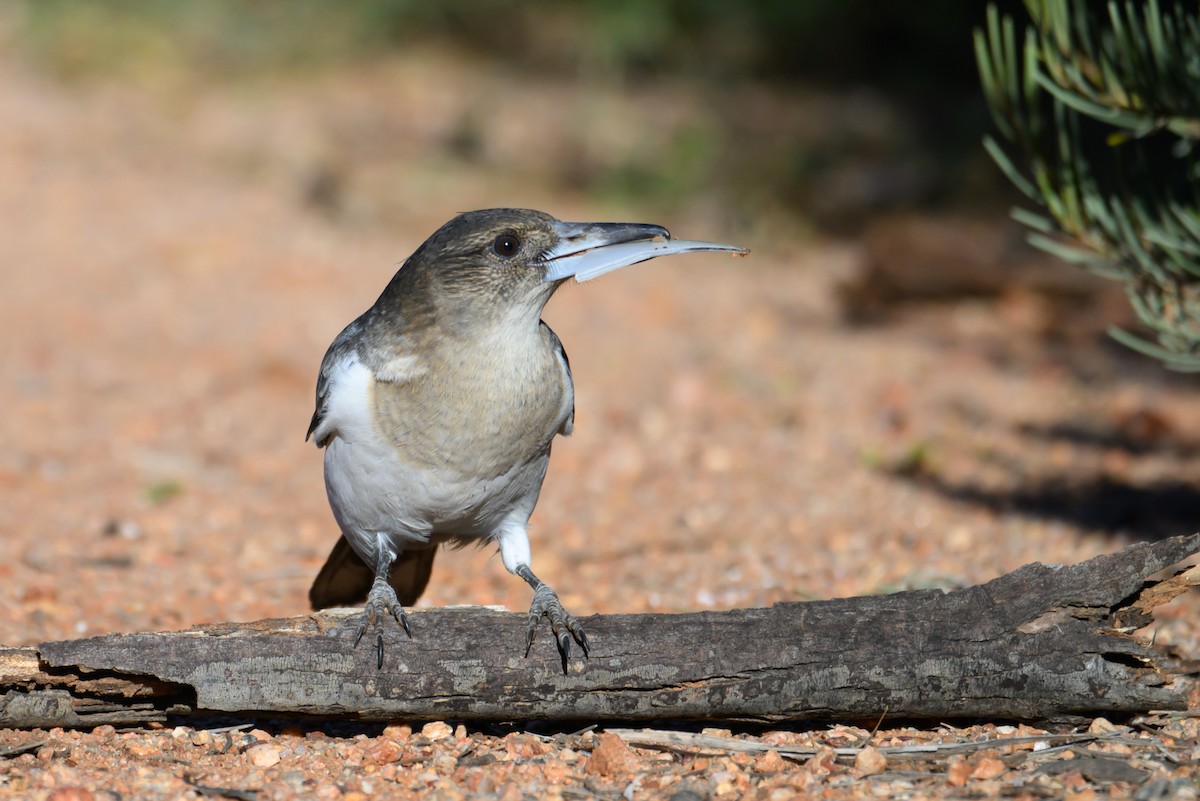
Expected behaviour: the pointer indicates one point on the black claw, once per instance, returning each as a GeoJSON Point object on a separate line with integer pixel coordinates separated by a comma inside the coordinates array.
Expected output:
{"type": "Point", "coordinates": [402, 619]}
{"type": "Point", "coordinates": [564, 649]}
{"type": "Point", "coordinates": [381, 602]}
{"type": "Point", "coordinates": [564, 627]}
{"type": "Point", "coordinates": [531, 628]}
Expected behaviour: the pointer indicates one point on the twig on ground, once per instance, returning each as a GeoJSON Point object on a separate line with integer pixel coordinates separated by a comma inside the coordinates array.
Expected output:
{"type": "Point", "coordinates": [690, 741]}
{"type": "Point", "coordinates": [24, 748]}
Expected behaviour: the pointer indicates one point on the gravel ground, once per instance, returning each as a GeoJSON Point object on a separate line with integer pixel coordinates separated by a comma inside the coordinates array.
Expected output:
{"type": "Point", "coordinates": [175, 269]}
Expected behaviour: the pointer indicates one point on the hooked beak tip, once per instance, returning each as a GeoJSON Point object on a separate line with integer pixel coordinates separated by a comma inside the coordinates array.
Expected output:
{"type": "Point", "coordinates": [588, 250]}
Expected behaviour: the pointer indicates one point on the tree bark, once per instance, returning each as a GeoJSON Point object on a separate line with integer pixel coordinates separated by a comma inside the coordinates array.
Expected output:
{"type": "Point", "coordinates": [1038, 643]}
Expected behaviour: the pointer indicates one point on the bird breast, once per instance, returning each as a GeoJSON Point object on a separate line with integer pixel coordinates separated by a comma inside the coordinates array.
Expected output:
{"type": "Point", "coordinates": [452, 441]}
{"type": "Point", "coordinates": [474, 410]}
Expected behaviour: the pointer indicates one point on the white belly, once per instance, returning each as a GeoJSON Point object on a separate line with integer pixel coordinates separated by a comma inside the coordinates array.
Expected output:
{"type": "Point", "coordinates": [372, 490]}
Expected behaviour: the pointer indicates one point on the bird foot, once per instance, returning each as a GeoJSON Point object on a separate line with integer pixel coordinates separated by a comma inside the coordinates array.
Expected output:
{"type": "Point", "coordinates": [380, 601]}
{"type": "Point", "coordinates": [565, 627]}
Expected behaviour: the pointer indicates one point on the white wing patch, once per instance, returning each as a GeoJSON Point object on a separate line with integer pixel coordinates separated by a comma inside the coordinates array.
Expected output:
{"type": "Point", "coordinates": [347, 402]}
{"type": "Point", "coordinates": [401, 369]}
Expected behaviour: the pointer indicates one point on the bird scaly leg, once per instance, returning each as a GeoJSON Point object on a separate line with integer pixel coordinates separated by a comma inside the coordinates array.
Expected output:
{"type": "Point", "coordinates": [546, 604]}
{"type": "Point", "coordinates": [382, 598]}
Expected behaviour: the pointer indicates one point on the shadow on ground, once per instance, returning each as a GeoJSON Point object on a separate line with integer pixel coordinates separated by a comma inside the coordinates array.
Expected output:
{"type": "Point", "coordinates": [1092, 500]}
{"type": "Point", "coordinates": [1151, 512]}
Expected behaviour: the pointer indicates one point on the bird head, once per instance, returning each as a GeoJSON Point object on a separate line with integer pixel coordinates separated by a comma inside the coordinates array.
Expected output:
{"type": "Point", "coordinates": [522, 256]}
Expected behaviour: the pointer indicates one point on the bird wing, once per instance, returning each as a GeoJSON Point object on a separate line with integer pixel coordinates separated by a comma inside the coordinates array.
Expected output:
{"type": "Point", "coordinates": [345, 579]}
{"type": "Point", "coordinates": [342, 348]}
{"type": "Point", "coordinates": [568, 424]}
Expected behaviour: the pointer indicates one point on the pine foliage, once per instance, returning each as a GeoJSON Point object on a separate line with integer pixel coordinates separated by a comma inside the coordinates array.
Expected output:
{"type": "Point", "coordinates": [1098, 111]}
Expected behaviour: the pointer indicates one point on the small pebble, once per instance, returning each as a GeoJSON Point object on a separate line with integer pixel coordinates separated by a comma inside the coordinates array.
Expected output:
{"type": "Point", "coordinates": [70, 794]}
{"type": "Point", "coordinates": [869, 762]}
{"type": "Point", "coordinates": [264, 756]}
{"type": "Point", "coordinates": [397, 731]}
{"type": "Point", "coordinates": [612, 757]}
{"type": "Point", "coordinates": [437, 730]}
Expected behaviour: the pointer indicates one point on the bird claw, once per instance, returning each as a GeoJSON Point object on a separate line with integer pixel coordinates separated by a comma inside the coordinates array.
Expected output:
{"type": "Point", "coordinates": [381, 599]}
{"type": "Point", "coordinates": [564, 626]}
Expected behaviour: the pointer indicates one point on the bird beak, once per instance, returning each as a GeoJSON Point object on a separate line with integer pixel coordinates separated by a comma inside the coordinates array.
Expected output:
{"type": "Point", "coordinates": [586, 250]}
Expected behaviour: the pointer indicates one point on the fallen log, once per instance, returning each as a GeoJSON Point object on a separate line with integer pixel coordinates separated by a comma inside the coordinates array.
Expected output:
{"type": "Point", "coordinates": [1038, 643]}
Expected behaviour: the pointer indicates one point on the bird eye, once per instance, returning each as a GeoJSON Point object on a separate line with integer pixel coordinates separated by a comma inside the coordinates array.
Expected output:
{"type": "Point", "coordinates": [506, 246]}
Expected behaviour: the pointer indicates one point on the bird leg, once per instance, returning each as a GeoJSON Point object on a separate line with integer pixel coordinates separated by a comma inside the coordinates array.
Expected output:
{"type": "Point", "coordinates": [546, 604]}
{"type": "Point", "coordinates": [382, 598]}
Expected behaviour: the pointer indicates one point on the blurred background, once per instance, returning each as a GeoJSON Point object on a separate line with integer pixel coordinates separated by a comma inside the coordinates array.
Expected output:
{"type": "Point", "coordinates": [767, 113]}
{"type": "Point", "coordinates": [892, 391]}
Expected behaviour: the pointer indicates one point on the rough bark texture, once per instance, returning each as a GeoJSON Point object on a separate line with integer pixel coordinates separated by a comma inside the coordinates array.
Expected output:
{"type": "Point", "coordinates": [1040, 642]}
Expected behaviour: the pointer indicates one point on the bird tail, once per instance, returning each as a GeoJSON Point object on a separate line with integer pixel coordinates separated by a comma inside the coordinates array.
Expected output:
{"type": "Point", "coordinates": [345, 579]}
